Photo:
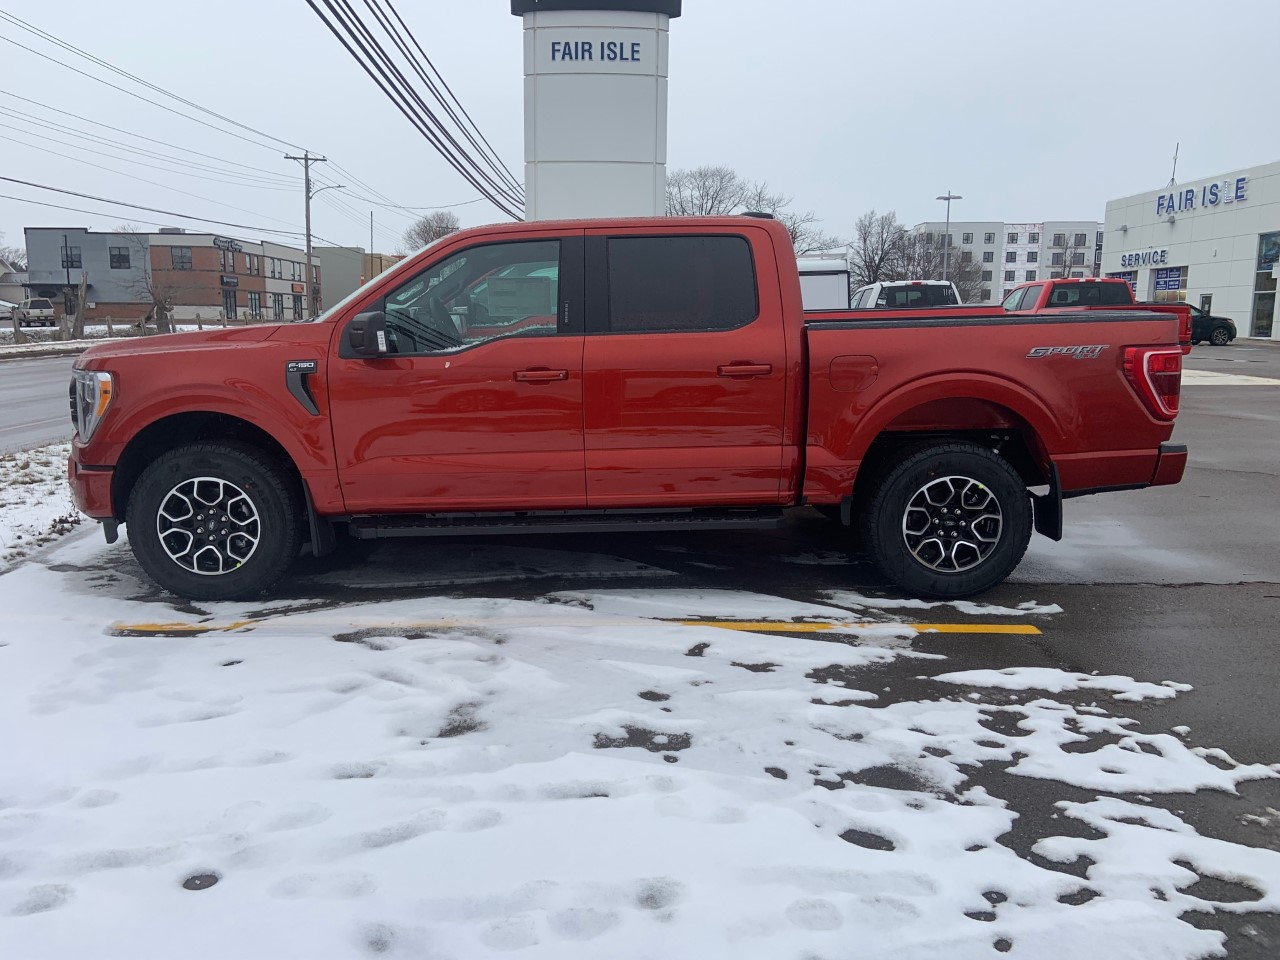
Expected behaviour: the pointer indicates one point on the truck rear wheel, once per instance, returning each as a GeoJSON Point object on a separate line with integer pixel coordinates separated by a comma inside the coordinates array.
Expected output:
{"type": "Point", "coordinates": [948, 521]}
{"type": "Point", "coordinates": [214, 521]}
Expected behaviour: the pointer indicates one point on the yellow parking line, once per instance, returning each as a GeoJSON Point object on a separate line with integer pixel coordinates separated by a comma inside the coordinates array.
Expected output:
{"type": "Point", "coordinates": [746, 626]}
{"type": "Point", "coordinates": [768, 626]}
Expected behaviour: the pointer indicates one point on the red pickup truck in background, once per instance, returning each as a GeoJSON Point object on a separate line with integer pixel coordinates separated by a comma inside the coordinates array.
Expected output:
{"type": "Point", "coordinates": [1091, 293]}
{"type": "Point", "coordinates": [618, 375]}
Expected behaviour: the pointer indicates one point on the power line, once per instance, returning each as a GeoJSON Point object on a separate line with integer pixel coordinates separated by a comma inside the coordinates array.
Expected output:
{"type": "Point", "coordinates": [454, 97]}
{"type": "Point", "coordinates": [71, 48]}
{"type": "Point", "coordinates": [163, 186]}
{"type": "Point", "coordinates": [185, 173]}
{"type": "Point", "coordinates": [381, 69]}
{"type": "Point", "coordinates": [139, 136]}
{"type": "Point", "coordinates": [135, 206]}
{"type": "Point", "coordinates": [491, 160]}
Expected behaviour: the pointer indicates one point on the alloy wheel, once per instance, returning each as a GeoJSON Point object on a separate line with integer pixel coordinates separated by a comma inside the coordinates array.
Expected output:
{"type": "Point", "coordinates": [952, 524]}
{"type": "Point", "coordinates": [208, 526]}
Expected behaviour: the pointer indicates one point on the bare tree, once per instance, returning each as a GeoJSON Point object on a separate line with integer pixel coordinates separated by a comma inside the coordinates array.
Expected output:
{"type": "Point", "coordinates": [159, 293]}
{"type": "Point", "coordinates": [431, 228]}
{"type": "Point", "coordinates": [877, 242]}
{"type": "Point", "coordinates": [14, 256]}
{"type": "Point", "coordinates": [917, 259]}
{"type": "Point", "coordinates": [720, 190]}
{"type": "Point", "coordinates": [705, 192]}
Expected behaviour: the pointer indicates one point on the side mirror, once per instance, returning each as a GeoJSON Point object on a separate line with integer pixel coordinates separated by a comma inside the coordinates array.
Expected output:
{"type": "Point", "coordinates": [367, 334]}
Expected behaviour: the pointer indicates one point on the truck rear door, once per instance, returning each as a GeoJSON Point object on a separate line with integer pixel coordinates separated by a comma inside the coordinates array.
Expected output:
{"type": "Point", "coordinates": [684, 368]}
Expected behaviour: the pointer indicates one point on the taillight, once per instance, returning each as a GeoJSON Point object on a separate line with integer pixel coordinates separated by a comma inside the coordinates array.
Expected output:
{"type": "Point", "coordinates": [1156, 375]}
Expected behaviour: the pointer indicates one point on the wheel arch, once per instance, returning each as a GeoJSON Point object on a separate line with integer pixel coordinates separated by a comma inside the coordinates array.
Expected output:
{"type": "Point", "coordinates": [197, 426]}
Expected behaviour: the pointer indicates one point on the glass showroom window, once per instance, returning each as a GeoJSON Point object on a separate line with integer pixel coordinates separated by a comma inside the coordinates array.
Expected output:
{"type": "Point", "coordinates": [1264, 287]}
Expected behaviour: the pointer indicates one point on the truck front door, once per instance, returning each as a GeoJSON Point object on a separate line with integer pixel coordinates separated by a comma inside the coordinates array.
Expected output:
{"type": "Point", "coordinates": [479, 403]}
{"type": "Point", "coordinates": [685, 369]}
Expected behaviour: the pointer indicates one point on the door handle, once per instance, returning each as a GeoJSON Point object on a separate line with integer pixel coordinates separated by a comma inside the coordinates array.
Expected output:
{"type": "Point", "coordinates": [540, 375]}
{"type": "Point", "coordinates": [744, 369]}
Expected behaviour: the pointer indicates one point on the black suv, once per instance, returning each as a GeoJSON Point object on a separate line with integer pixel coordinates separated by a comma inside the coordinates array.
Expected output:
{"type": "Point", "coordinates": [1217, 330]}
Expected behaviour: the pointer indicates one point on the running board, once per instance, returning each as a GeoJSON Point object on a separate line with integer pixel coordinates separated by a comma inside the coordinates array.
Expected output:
{"type": "Point", "coordinates": [562, 521]}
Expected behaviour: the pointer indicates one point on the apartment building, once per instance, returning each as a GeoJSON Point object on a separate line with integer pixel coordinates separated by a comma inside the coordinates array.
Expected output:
{"type": "Point", "coordinates": [198, 275]}
{"type": "Point", "coordinates": [1011, 253]}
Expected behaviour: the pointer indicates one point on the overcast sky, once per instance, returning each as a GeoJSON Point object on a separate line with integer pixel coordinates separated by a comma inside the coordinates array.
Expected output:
{"type": "Point", "coordinates": [1031, 111]}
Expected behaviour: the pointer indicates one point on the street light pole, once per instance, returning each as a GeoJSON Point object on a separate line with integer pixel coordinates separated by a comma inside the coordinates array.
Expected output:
{"type": "Point", "coordinates": [946, 237]}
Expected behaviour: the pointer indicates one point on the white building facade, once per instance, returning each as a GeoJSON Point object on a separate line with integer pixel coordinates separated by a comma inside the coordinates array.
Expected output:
{"type": "Point", "coordinates": [1013, 253]}
{"type": "Point", "coordinates": [1214, 243]}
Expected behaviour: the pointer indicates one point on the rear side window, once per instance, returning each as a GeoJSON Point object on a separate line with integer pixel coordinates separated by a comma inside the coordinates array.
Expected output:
{"type": "Point", "coordinates": [1091, 295]}
{"type": "Point", "coordinates": [859, 298]}
{"type": "Point", "coordinates": [1111, 294]}
{"type": "Point", "coordinates": [680, 283]}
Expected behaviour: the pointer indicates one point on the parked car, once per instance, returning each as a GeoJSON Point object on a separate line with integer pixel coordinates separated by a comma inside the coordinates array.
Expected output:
{"type": "Point", "coordinates": [1216, 330]}
{"type": "Point", "coordinates": [906, 294]}
{"type": "Point", "coordinates": [35, 312]}
{"type": "Point", "coordinates": [623, 375]}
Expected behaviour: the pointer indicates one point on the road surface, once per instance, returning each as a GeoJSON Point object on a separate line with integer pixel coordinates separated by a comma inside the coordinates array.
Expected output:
{"type": "Point", "coordinates": [33, 398]}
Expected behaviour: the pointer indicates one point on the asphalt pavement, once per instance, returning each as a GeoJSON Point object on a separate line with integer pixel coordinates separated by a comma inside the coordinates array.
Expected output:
{"type": "Point", "coordinates": [33, 398]}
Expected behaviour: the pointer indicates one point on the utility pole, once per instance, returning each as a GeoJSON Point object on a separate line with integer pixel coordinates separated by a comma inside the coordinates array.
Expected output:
{"type": "Point", "coordinates": [946, 237]}
{"type": "Point", "coordinates": [307, 160]}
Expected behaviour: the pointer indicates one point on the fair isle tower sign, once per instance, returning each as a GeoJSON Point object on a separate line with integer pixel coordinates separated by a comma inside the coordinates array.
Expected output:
{"type": "Point", "coordinates": [595, 106]}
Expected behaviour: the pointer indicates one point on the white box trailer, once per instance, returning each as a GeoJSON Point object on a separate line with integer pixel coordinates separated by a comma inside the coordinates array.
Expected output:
{"type": "Point", "coordinates": [824, 283]}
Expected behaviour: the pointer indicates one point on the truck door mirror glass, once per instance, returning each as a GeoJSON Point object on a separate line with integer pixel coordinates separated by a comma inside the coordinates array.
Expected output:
{"type": "Point", "coordinates": [367, 334]}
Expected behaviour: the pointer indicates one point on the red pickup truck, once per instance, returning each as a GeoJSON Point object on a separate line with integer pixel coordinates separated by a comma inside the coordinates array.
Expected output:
{"type": "Point", "coordinates": [1092, 293]}
{"type": "Point", "coordinates": [617, 375]}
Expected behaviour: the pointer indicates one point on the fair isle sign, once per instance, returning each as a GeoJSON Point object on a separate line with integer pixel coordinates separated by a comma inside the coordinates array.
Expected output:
{"type": "Point", "coordinates": [1207, 196]}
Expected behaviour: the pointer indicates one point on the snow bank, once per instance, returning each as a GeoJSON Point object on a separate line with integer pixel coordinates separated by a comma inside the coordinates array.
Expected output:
{"type": "Point", "coordinates": [35, 502]}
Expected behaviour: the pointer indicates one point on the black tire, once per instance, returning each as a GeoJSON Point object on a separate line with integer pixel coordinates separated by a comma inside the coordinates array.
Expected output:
{"type": "Point", "coordinates": [976, 564]}
{"type": "Point", "coordinates": [1195, 343]}
{"type": "Point", "coordinates": [229, 468]}
{"type": "Point", "coordinates": [1220, 337]}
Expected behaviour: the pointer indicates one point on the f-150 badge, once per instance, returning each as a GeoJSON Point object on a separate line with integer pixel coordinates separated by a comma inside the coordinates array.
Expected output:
{"type": "Point", "coordinates": [1088, 352]}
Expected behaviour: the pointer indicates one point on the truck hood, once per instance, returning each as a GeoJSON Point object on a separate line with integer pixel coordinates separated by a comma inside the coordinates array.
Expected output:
{"type": "Point", "coordinates": [170, 343]}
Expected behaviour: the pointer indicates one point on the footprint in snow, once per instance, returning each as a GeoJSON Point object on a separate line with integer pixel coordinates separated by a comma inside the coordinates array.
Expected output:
{"type": "Point", "coordinates": [43, 898]}
{"type": "Point", "coordinates": [582, 923]}
{"type": "Point", "coordinates": [815, 914]}
{"type": "Point", "coordinates": [510, 933]}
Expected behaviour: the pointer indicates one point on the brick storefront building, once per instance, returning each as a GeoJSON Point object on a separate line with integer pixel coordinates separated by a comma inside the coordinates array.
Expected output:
{"type": "Point", "coordinates": [198, 275]}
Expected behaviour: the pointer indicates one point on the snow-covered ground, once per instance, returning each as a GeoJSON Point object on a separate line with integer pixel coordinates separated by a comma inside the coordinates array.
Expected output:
{"type": "Point", "coordinates": [35, 503]}
{"type": "Point", "coordinates": [574, 776]}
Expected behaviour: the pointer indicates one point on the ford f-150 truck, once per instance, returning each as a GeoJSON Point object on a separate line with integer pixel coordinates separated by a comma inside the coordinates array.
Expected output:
{"type": "Point", "coordinates": [629, 375]}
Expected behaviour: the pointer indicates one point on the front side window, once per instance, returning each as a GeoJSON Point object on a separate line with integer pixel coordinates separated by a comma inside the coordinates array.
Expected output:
{"type": "Point", "coordinates": [1014, 300]}
{"type": "Point", "coordinates": [680, 284]}
{"type": "Point", "coordinates": [479, 294]}
{"type": "Point", "coordinates": [180, 258]}
{"type": "Point", "coordinates": [119, 258]}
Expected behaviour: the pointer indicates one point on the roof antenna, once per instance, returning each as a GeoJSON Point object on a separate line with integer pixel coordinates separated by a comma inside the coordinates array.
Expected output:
{"type": "Point", "coordinates": [1173, 179]}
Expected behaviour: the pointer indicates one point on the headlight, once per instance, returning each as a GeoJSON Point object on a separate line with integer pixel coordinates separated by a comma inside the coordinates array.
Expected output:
{"type": "Point", "coordinates": [91, 393]}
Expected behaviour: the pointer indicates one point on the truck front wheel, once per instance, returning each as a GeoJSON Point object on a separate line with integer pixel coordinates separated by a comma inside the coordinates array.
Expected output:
{"type": "Point", "coordinates": [948, 521]}
{"type": "Point", "coordinates": [214, 521]}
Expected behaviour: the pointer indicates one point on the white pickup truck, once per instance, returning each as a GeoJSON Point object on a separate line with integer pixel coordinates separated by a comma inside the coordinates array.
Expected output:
{"type": "Point", "coordinates": [35, 312]}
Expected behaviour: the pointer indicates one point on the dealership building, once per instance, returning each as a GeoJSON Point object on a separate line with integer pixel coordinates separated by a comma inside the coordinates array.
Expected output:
{"type": "Point", "coordinates": [1214, 243]}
